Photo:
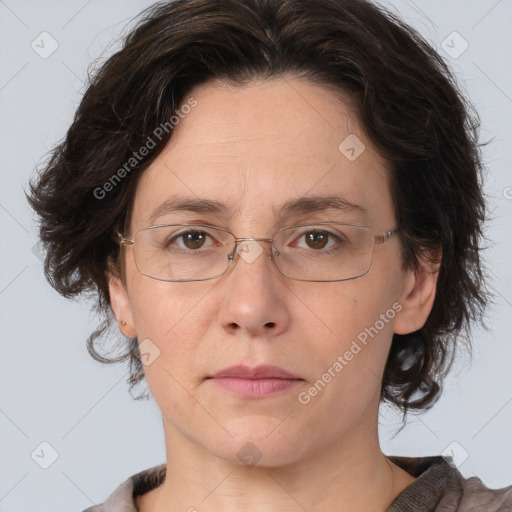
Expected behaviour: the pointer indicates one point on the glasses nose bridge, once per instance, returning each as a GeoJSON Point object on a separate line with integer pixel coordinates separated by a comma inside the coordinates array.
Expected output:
{"type": "Point", "coordinates": [247, 239]}
{"type": "Point", "coordinates": [255, 239]}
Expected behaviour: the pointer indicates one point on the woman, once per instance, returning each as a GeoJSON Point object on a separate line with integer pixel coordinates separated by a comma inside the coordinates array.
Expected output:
{"type": "Point", "coordinates": [279, 203]}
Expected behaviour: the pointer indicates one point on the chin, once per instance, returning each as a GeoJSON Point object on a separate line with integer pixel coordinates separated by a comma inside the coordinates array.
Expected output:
{"type": "Point", "coordinates": [261, 441]}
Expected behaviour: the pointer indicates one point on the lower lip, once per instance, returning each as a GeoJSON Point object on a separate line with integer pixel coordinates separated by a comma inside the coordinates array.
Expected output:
{"type": "Point", "coordinates": [255, 388]}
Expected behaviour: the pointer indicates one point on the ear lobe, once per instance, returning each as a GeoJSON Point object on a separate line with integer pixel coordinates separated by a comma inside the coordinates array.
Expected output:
{"type": "Point", "coordinates": [417, 299]}
{"type": "Point", "coordinates": [120, 304]}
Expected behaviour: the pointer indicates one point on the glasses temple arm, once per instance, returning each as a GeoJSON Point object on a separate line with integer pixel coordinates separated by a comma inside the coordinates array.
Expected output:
{"type": "Point", "coordinates": [123, 240]}
{"type": "Point", "coordinates": [382, 239]}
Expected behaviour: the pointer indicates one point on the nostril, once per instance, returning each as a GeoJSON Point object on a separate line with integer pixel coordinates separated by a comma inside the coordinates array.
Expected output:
{"type": "Point", "coordinates": [270, 324]}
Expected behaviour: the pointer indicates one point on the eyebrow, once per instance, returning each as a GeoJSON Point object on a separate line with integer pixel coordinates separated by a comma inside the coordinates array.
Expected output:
{"type": "Point", "coordinates": [314, 204]}
{"type": "Point", "coordinates": [302, 205]}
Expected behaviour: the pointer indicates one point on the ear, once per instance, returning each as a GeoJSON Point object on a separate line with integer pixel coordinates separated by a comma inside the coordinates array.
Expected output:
{"type": "Point", "coordinates": [120, 304]}
{"type": "Point", "coordinates": [418, 296]}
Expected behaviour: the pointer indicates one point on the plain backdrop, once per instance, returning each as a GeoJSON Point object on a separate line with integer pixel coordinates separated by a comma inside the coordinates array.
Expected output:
{"type": "Point", "coordinates": [61, 409]}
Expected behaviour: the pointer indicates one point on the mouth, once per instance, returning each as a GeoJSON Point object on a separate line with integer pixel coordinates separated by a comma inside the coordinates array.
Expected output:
{"type": "Point", "coordinates": [256, 382]}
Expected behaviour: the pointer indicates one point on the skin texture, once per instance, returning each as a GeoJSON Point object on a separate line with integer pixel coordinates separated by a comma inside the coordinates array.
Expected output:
{"type": "Point", "coordinates": [254, 147]}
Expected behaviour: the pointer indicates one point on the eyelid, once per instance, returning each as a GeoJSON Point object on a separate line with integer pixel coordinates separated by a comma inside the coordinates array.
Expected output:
{"type": "Point", "coordinates": [331, 236]}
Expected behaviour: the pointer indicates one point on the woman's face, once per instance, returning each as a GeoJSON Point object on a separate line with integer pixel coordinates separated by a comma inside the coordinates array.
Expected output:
{"type": "Point", "coordinates": [253, 149]}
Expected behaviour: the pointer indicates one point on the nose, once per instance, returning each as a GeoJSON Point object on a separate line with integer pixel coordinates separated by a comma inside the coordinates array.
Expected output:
{"type": "Point", "coordinates": [254, 293]}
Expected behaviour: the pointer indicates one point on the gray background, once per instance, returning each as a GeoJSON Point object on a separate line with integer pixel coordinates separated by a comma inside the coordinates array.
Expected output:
{"type": "Point", "coordinates": [53, 392]}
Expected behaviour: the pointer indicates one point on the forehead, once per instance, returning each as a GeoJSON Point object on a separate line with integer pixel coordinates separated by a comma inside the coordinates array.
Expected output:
{"type": "Point", "coordinates": [256, 149]}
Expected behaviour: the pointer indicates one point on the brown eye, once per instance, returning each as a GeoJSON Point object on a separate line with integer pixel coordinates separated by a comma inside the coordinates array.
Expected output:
{"type": "Point", "coordinates": [193, 239]}
{"type": "Point", "coordinates": [189, 240]}
{"type": "Point", "coordinates": [317, 239]}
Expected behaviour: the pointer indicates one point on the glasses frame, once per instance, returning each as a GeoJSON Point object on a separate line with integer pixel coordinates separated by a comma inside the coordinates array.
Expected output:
{"type": "Point", "coordinates": [377, 239]}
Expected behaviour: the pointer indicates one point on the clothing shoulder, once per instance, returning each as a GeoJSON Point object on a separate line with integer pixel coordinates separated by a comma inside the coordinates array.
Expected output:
{"type": "Point", "coordinates": [477, 496]}
{"type": "Point", "coordinates": [122, 498]}
{"type": "Point", "coordinates": [440, 487]}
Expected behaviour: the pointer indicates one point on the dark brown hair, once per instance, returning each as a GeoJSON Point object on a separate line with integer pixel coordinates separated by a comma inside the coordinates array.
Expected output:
{"type": "Point", "coordinates": [407, 100]}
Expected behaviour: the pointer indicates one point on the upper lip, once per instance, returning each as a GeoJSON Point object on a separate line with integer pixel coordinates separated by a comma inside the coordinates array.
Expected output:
{"type": "Point", "coordinates": [257, 372]}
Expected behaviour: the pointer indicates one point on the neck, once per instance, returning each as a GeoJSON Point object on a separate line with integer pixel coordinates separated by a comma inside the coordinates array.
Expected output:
{"type": "Point", "coordinates": [352, 475]}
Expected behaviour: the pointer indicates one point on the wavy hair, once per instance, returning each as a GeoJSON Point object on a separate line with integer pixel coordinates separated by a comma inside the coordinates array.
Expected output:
{"type": "Point", "coordinates": [407, 100]}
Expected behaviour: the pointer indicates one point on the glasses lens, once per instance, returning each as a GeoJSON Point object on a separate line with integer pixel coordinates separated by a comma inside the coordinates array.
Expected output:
{"type": "Point", "coordinates": [324, 252]}
{"type": "Point", "coordinates": [182, 252]}
{"type": "Point", "coordinates": [309, 252]}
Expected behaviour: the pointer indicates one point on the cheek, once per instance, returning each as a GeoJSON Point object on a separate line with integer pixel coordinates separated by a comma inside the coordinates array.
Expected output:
{"type": "Point", "coordinates": [161, 309]}
{"type": "Point", "coordinates": [345, 309]}
{"type": "Point", "coordinates": [356, 322]}
{"type": "Point", "coordinates": [171, 319]}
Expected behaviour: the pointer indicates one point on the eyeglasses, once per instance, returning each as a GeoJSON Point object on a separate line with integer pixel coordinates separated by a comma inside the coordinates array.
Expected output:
{"type": "Point", "coordinates": [325, 251]}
